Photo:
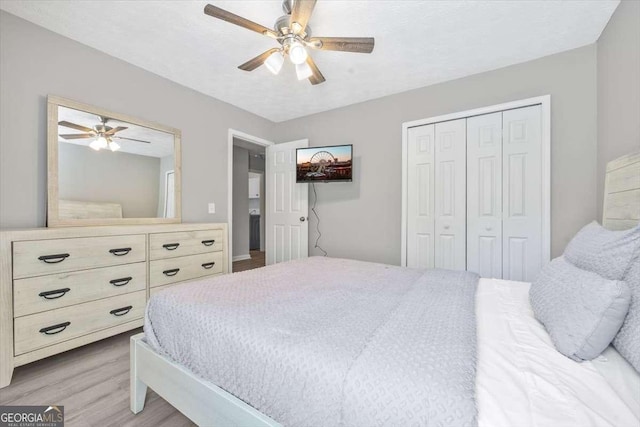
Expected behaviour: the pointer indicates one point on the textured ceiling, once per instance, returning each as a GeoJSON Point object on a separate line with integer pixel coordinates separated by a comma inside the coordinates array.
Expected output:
{"type": "Point", "coordinates": [418, 43]}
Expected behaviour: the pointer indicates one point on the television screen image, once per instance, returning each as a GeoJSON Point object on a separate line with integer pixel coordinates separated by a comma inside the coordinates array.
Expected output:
{"type": "Point", "coordinates": [324, 164]}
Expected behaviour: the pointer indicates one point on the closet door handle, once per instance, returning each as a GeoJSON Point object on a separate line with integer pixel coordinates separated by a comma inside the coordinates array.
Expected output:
{"type": "Point", "coordinates": [58, 293]}
{"type": "Point", "coordinates": [446, 227]}
{"type": "Point", "coordinates": [120, 251]}
{"type": "Point", "coordinates": [171, 246]}
{"type": "Point", "coordinates": [55, 329]}
{"type": "Point", "coordinates": [120, 282]}
{"type": "Point", "coordinates": [121, 311]}
{"type": "Point", "coordinates": [53, 259]}
{"type": "Point", "coordinates": [208, 265]}
{"type": "Point", "coordinates": [488, 228]}
{"type": "Point", "coordinates": [208, 242]}
{"type": "Point", "coordinates": [171, 272]}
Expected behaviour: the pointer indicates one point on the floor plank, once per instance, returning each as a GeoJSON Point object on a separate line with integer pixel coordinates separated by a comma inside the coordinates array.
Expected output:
{"type": "Point", "coordinates": [257, 260]}
{"type": "Point", "coordinates": [92, 382]}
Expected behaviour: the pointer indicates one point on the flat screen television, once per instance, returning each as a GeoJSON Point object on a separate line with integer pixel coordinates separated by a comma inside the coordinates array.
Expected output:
{"type": "Point", "coordinates": [324, 164]}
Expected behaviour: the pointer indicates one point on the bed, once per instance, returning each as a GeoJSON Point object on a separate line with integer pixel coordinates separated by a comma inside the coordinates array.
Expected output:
{"type": "Point", "coordinates": [337, 342]}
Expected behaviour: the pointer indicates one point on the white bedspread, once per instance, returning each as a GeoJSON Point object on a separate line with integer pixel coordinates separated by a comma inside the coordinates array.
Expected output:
{"type": "Point", "coordinates": [523, 381]}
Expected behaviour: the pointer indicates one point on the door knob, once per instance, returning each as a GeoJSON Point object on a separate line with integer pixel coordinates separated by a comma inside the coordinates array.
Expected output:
{"type": "Point", "coordinates": [446, 227]}
{"type": "Point", "coordinates": [488, 228]}
{"type": "Point", "coordinates": [302, 219]}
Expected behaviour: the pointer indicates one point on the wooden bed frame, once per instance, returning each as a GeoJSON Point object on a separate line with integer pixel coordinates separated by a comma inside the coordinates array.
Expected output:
{"type": "Point", "coordinates": [204, 403]}
{"type": "Point", "coordinates": [201, 401]}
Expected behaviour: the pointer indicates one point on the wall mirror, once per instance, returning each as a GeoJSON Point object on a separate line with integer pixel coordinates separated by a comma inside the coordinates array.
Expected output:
{"type": "Point", "coordinates": [106, 168]}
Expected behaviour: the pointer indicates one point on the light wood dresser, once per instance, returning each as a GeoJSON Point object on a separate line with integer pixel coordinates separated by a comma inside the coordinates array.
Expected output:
{"type": "Point", "coordinates": [62, 288]}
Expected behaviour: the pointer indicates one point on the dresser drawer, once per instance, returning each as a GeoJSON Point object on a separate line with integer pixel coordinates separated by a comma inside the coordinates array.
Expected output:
{"type": "Point", "coordinates": [171, 245]}
{"type": "Point", "coordinates": [40, 257]}
{"type": "Point", "coordinates": [165, 271]}
{"type": "Point", "coordinates": [51, 327]}
{"type": "Point", "coordinates": [42, 293]}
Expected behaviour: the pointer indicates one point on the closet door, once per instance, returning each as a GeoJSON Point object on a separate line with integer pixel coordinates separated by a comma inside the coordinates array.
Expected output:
{"type": "Point", "coordinates": [450, 194]}
{"type": "Point", "coordinates": [522, 193]}
{"type": "Point", "coordinates": [420, 198]}
{"type": "Point", "coordinates": [484, 195]}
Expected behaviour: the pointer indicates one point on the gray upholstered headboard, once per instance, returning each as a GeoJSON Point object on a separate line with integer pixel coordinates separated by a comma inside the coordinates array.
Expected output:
{"type": "Point", "coordinates": [622, 193]}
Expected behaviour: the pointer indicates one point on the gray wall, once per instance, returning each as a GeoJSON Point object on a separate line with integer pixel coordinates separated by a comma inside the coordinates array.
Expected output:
{"type": "Point", "coordinates": [35, 62]}
{"type": "Point", "coordinates": [618, 88]}
{"type": "Point", "coordinates": [362, 219]}
{"type": "Point", "coordinates": [103, 176]}
{"type": "Point", "coordinates": [240, 201]}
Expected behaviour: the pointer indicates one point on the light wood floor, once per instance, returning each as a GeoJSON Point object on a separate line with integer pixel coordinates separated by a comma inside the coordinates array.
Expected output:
{"type": "Point", "coordinates": [92, 382]}
{"type": "Point", "coordinates": [257, 260]}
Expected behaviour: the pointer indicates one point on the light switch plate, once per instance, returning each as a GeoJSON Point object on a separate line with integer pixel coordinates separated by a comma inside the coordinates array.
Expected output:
{"type": "Point", "coordinates": [212, 208]}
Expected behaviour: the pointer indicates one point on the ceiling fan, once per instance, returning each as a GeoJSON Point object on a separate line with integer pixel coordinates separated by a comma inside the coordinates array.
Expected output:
{"type": "Point", "coordinates": [102, 133]}
{"type": "Point", "coordinates": [294, 36]}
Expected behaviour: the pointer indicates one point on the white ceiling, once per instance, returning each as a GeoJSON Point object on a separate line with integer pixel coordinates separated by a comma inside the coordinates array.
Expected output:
{"type": "Point", "coordinates": [160, 143]}
{"type": "Point", "coordinates": [418, 43]}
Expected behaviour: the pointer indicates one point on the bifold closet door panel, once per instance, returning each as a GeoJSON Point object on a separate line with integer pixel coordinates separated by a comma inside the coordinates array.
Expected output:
{"type": "Point", "coordinates": [522, 193]}
{"type": "Point", "coordinates": [484, 195]}
{"type": "Point", "coordinates": [420, 197]}
{"type": "Point", "coordinates": [450, 194]}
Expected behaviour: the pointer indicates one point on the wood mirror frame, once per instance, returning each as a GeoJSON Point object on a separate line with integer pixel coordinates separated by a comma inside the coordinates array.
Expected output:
{"type": "Point", "coordinates": [53, 216]}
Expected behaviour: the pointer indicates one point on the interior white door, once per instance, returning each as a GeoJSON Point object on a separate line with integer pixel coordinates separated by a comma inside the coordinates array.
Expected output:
{"type": "Point", "coordinates": [484, 195]}
{"type": "Point", "coordinates": [522, 193]}
{"type": "Point", "coordinates": [169, 194]}
{"type": "Point", "coordinates": [450, 194]}
{"type": "Point", "coordinates": [420, 197]}
{"type": "Point", "coordinates": [287, 205]}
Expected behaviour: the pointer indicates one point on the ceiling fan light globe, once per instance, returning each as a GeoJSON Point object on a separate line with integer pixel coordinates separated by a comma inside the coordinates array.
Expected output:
{"type": "Point", "coordinates": [297, 53]}
{"type": "Point", "coordinates": [95, 145]}
{"type": "Point", "coordinates": [102, 142]}
{"type": "Point", "coordinates": [303, 71]}
{"type": "Point", "coordinates": [274, 62]}
{"type": "Point", "coordinates": [114, 146]}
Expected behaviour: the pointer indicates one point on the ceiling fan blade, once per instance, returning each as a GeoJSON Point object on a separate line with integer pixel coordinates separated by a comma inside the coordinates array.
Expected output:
{"type": "Point", "coordinates": [344, 44]}
{"type": "Point", "coordinates": [130, 139]}
{"type": "Point", "coordinates": [116, 129]}
{"type": "Point", "coordinates": [300, 14]}
{"type": "Point", "coordinates": [232, 18]}
{"type": "Point", "coordinates": [254, 63]}
{"type": "Point", "coordinates": [75, 126]}
{"type": "Point", "coordinates": [317, 77]}
{"type": "Point", "coordinates": [78, 135]}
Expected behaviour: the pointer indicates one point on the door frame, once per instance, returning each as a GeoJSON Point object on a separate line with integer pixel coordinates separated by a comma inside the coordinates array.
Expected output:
{"type": "Point", "coordinates": [545, 103]}
{"type": "Point", "coordinates": [233, 133]}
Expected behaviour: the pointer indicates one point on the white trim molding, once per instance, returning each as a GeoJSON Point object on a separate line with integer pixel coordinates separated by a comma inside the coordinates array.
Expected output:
{"type": "Point", "coordinates": [545, 103]}
{"type": "Point", "coordinates": [241, 257]}
{"type": "Point", "coordinates": [248, 138]}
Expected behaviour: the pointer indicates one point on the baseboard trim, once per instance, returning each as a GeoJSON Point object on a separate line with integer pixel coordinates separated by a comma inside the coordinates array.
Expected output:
{"type": "Point", "coordinates": [241, 257]}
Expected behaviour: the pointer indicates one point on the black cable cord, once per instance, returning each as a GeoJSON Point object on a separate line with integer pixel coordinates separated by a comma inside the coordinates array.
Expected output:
{"type": "Point", "coordinates": [313, 209]}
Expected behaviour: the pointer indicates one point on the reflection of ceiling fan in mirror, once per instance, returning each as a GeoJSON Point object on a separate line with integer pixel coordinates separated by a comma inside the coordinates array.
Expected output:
{"type": "Point", "coordinates": [294, 36]}
{"type": "Point", "coordinates": [102, 133]}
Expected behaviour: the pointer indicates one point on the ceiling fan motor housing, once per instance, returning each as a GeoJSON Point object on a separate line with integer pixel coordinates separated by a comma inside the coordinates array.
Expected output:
{"type": "Point", "coordinates": [282, 28]}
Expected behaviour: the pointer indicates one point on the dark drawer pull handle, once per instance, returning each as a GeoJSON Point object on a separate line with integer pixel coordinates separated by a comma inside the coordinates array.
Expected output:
{"type": "Point", "coordinates": [120, 251]}
{"type": "Point", "coordinates": [55, 329]}
{"type": "Point", "coordinates": [58, 293]}
{"type": "Point", "coordinates": [171, 272]}
{"type": "Point", "coordinates": [121, 311]}
{"type": "Point", "coordinates": [208, 265]}
{"type": "Point", "coordinates": [120, 282]}
{"type": "Point", "coordinates": [208, 242]}
{"type": "Point", "coordinates": [171, 246]}
{"type": "Point", "coordinates": [53, 259]}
